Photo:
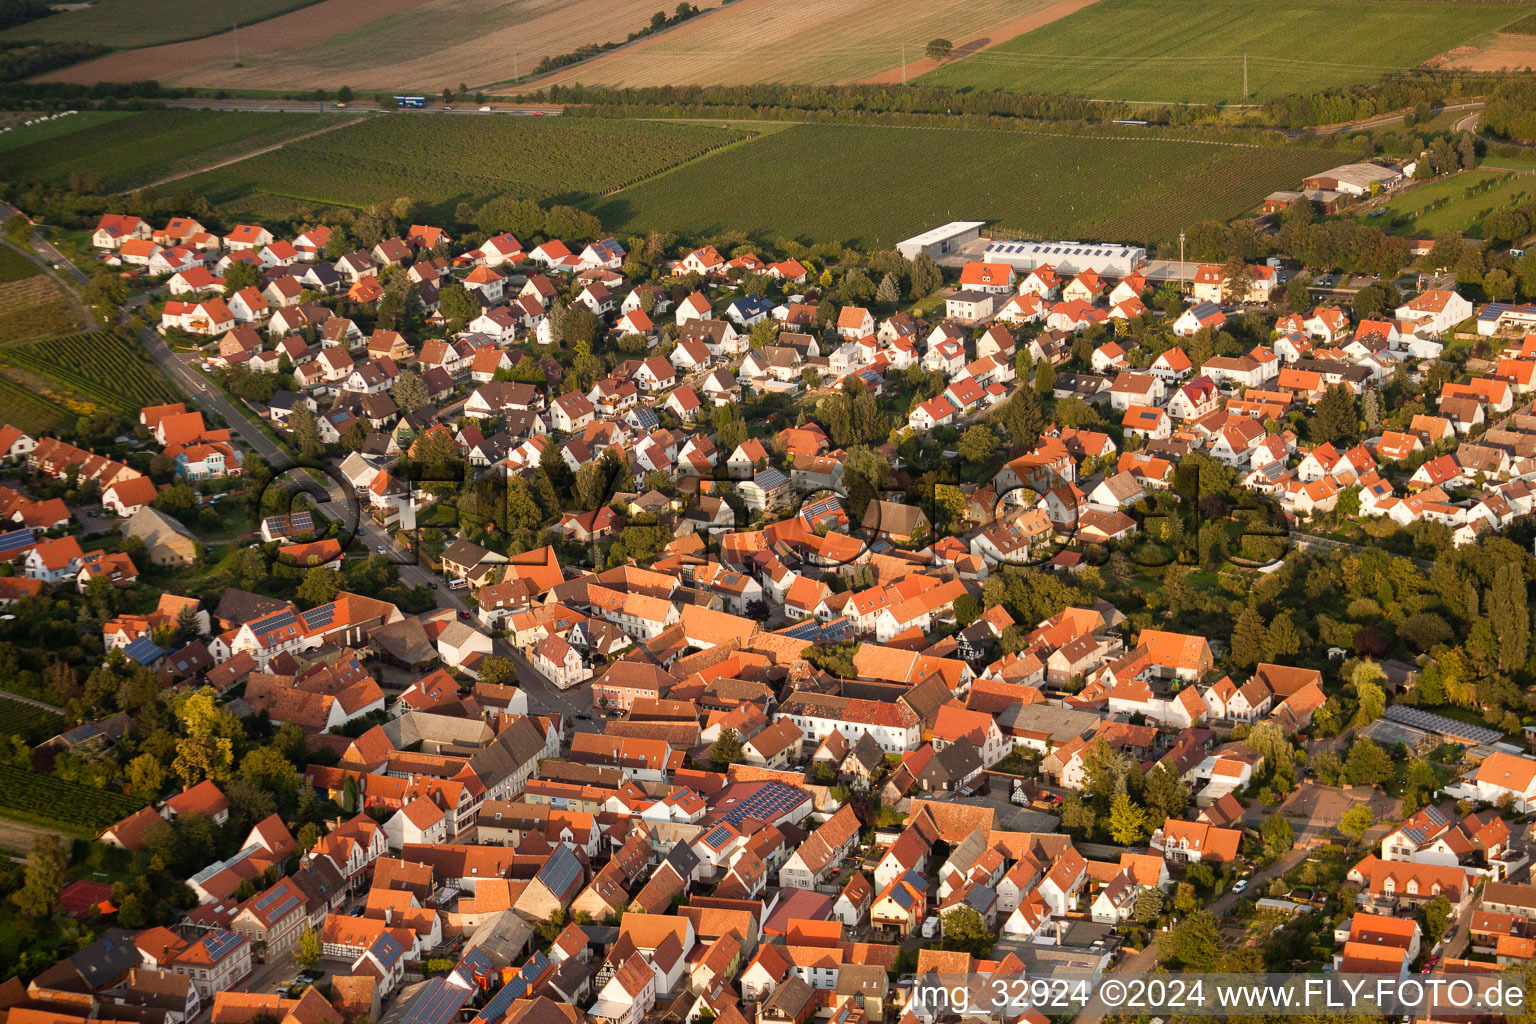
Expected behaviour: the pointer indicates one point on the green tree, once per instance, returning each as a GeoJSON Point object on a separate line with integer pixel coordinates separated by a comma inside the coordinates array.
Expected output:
{"type": "Point", "coordinates": [925, 277]}
{"type": "Point", "coordinates": [1249, 636]}
{"type": "Point", "coordinates": [1166, 795]}
{"type": "Point", "coordinates": [1283, 641]}
{"type": "Point", "coordinates": [727, 750]}
{"type": "Point", "coordinates": [1372, 702]}
{"type": "Point", "coordinates": [1435, 915]}
{"type": "Point", "coordinates": [1356, 821]}
{"type": "Point", "coordinates": [1335, 420]}
{"type": "Point", "coordinates": [320, 586]}
{"type": "Point", "coordinates": [270, 771]}
{"type": "Point", "coordinates": [409, 391]}
{"type": "Point", "coordinates": [43, 878]}
{"type": "Point", "coordinates": [977, 444]}
{"type": "Point", "coordinates": [207, 747]}
{"type": "Point", "coordinates": [1192, 945]}
{"type": "Point", "coordinates": [1269, 741]}
{"type": "Point", "coordinates": [1045, 378]}
{"type": "Point", "coordinates": [1367, 764]}
{"type": "Point", "coordinates": [889, 292]}
{"type": "Point", "coordinates": [939, 49]}
{"type": "Point", "coordinates": [1278, 835]}
{"type": "Point", "coordinates": [306, 952]}
{"type": "Point", "coordinates": [1127, 822]}
{"type": "Point", "coordinates": [966, 932]}
{"type": "Point", "coordinates": [18, 230]}
{"type": "Point", "coordinates": [146, 776]}
{"type": "Point", "coordinates": [1076, 816]}
{"type": "Point", "coordinates": [305, 432]}
{"type": "Point", "coordinates": [1509, 616]}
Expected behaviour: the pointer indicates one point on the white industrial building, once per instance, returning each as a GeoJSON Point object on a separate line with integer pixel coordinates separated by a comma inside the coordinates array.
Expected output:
{"type": "Point", "coordinates": [938, 241]}
{"type": "Point", "coordinates": [1106, 260]}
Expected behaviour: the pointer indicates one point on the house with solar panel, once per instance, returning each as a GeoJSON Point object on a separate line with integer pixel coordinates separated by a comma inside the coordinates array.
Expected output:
{"type": "Point", "coordinates": [272, 920]}
{"type": "Point", "coordinates": [767, 489]}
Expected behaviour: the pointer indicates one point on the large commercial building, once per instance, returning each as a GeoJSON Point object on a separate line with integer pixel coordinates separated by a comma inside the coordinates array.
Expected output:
{"type": "Point", "coordinates": [1105, 259]}
{"type": "Point", "coordinates": [938, 241]}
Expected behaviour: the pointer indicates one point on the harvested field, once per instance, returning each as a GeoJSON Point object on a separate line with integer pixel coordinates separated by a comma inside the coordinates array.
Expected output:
{"type": "Point", "coordinates": [1506, 51]}
{"type": "Point", "coordinates": [1194, 50]}
{"type": "Point", "coordinates": [812, 42]}
{"type": "Point", "coordinates": [130, 23]}
{"type": "Point", "coordinates": [870, 185]}
{"type": "Point", "coordinates": [991, 37]}
{"type": "Point", "coordinates": [424, 45]}
{"type": "Point", "coordinates": [287, 31]}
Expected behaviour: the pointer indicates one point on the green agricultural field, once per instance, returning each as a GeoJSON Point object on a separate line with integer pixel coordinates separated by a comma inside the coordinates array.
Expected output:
{"type": "Point", "coordinates": [1193, 50]}
{"type": "Point", "coordinates": [36, 307]}
{"type": "Point", "coordinates": [39, 799]}
{"type": "Point", "coordinates": [23, 134]}
{"type": "Point", "coordinates": [16, 267]}
{"type": "Point", "coordinates": [31, 723]}
{"type": "Point", "coordinates": [873, 185]}
{"type": "Point", "coordinates": [442, 161]}
{"type": "Point", "coordinates": [108, 369]}
{"type": "Point", "coordinates": [1457, 203]}
{"type": "Point", "coordinates": [134, 151]}
{"type": "Point", "coordinates": [131, 23]}
{"type": "Point", "coordinates": [29, 412]}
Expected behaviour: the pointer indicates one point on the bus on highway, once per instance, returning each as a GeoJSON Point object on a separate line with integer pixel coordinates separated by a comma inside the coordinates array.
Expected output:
{"type": "Point", "coordinates": [411, 101]}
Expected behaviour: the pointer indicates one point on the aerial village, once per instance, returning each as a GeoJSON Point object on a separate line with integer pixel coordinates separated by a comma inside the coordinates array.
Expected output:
{"type": "Point", "coordinates": [725, 707]}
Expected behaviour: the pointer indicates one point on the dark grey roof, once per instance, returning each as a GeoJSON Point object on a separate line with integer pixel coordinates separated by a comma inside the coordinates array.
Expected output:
{"type": "Point", "coordinates": [560, 872]}
{"type": "Point", "coordinates": [788, 998]}
{"type": "Point", "coordinates": [514, 746]}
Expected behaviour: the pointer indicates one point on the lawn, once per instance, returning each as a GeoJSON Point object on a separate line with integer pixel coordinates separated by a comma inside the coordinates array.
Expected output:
{"type": "Point", "coordinates": [23, 134]}
{"type": "Point", "coordinates": [1457, 203]}
{"type": "Point", "coordinates": [872, 185]}
{"type": "Point", "coordinates": [442, 161]}
{"type": "Point", "coordinates": [1194, 50]}
{"type": "Point", "coordinates": [134, 151]}
{"type": "Point", "coordinates": [130, 23]}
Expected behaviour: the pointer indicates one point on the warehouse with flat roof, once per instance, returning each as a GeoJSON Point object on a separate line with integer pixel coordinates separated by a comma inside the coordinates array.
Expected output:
{"type": "Point", "coordinates": [1105, 259]}
{"type": "Point", "coordinates": [940, 240]}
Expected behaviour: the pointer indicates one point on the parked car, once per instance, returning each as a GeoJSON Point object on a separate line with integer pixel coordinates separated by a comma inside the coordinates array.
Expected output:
{"type": "Point", "coordinates": [1242, 883]}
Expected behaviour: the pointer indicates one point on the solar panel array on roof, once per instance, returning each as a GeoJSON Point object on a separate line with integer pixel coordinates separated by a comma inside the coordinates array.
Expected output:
{"type": "Point", "coordinates": [386, 950]}
{"type": "Point", "coordinates": [560, 871]}
{"type": "Point", "coordinates": [277, 620]}
{"type": "Point", "coordinates": [1493, 311]}
{"type": "Point", "coordinates": [286, 898]}
{"type": "Point", "coordinates": [473, 962]}
{"type": "Point", "coordinates": [220, 943]}
{"type": "Point", "coordinates": [1421, 719]}
{"type": "Point", "coordinates": [646, 417]}
{"type": "Point", "coordinates": [15, 540]}
{"type": "Point", "coordinates": [321, 616]}
{"type": "Point", "coordinates": [770, 478]}
{"type": "Point", "coordinates": [438, 1003]}
{"type": "Point", "coordinates": [301, 521]}
{"type": "Point", "coordinates": [766, 804]}
{"type": "Point", "coordinates": [716, 836]}
{"type": "Point", "coordinates": [144, 651]}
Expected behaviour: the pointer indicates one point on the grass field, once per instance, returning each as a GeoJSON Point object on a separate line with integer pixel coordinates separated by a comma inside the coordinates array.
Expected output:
{"type": "Point", "coordinates": [811, 42]}
{"type": "Point", "coordinates": [130, 23]}
{"type": "Point", "coordinates": [104, 369]}
{"type": "Point", "coordinates": [25, 135]}
{"type": "Point", "coordinates": [134, 151]}
{"type": "Point", "coordinates": [873, 185]}
{"type": "Point", "coordinates": [16, 267]}
{"type": "Point", "coordinates": [1193, 50]}
{"type": "Point", "coordinates": [1457, 203]}
{"type": "Point", "coordinates": [441, 161]}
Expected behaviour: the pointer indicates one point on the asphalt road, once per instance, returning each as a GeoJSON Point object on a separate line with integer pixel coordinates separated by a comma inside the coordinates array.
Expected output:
{"type": "Point", "coordinates": [311, 107]}
{"type": "Point", "coordinates": [341, 507]}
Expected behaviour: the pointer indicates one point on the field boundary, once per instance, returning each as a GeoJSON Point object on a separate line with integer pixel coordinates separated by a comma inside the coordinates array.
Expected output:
{"type": "Point", "coordinates": [298, 5]}
{"type": "Point", "coordinates": [342, 121]}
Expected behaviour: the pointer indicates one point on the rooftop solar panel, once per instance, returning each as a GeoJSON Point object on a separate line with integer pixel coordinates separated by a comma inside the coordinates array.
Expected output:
{"type": "Point", "coordinates": [321, 616]}
{"type": "Point", "coordinates": [716, 836]}
{"type": "Point", "coordinates": [15, 540]}
{"type": "Point", "coordinates": [560, 870]}
{"type": "Point", "coordinates": [221, 943]}
{"type": "Point", "coordinates": [438, 1003]}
